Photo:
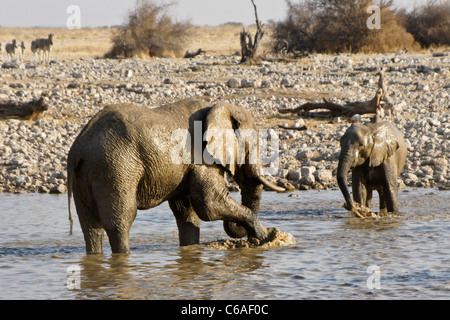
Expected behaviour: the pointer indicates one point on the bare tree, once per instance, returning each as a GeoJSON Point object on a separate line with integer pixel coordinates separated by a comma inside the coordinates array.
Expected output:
{"type": "Point", "coordinates": [249, 46]}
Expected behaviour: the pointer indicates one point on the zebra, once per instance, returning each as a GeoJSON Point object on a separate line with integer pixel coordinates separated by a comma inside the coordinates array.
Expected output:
{"type": "Point", "coordinates": [11, 49]}
{"type": "Point", "coordinates": [34, 48]}
{"type": "Point", "coordinates": [21, 49]}
{"type": "Point", "coordinates": [44, 46]}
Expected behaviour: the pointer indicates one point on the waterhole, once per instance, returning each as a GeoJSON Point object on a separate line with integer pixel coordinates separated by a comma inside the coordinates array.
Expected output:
{"type": "Point", "coordinates": [321, 252]}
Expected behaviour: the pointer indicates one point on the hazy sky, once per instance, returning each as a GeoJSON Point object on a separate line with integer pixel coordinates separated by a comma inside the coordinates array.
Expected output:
{"type": "Point", "coordinates": [93, 13]}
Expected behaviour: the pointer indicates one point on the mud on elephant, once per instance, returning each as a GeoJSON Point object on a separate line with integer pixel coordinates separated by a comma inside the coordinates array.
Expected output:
{"type": "Point", "coordinates": [122, 161]}
{"type": "Point", "coordinates": [376, 154]}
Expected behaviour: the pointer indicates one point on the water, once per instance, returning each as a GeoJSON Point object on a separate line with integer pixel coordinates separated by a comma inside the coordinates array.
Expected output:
{"type": "Point", "coordinates": [335, 256]}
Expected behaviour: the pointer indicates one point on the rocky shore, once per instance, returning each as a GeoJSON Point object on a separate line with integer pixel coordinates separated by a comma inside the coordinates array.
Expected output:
{"type": "Point", "coordinates": [33, 154]}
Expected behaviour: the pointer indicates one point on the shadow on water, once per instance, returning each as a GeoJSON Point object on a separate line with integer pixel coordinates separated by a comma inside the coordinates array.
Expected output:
{"type": "Point", "coordinates": [31, 250]}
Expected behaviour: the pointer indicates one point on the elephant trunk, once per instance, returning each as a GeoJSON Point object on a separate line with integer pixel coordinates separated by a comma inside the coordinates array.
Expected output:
{"type": "Point", "coordinates": [251, 183]}
{"type": "Point", "coordinates": [251, 197]}
{"type": "Point", "coordinates": [251, 193]}
{"type": "Point", "coordinates": [344, 166]}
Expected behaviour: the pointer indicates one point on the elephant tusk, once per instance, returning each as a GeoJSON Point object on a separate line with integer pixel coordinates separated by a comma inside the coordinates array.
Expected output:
{"type": "Point", "coordinates": [270, 185]}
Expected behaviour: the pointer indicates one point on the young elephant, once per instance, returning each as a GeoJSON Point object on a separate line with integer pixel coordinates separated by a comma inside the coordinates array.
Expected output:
{"type": "Point", "coordinates": [376, 153]}
{"type": "Point", "coordinates": [127, 158]}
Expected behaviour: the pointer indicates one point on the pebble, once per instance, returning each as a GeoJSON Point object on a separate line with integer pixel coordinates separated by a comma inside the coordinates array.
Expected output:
{"type": "Point", "coordinates": [33, 154]}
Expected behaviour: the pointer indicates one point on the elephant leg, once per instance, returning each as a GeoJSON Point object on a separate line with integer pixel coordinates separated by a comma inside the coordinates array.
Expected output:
{"type": "Point", "coordinates": [187, 221]}
{"type": "Point", "coordinates": [368, 198]}
{"type": "Point", "coordinates": [390, 188]}
{"type": "Point", "coordinates": [358, 187]}
{"type": "Point", "coordinates": [211, 201]}
{"type": "Point", "coordinates": [391, 200]}
{"type": "Point", "coordinates": [90, 225]}
{"type": "Point", "coordinates": [118, 239]}
{"type": "Point", "coordinates": [117, 211]}
{"type": "Point", "coordinates": [382, 200]}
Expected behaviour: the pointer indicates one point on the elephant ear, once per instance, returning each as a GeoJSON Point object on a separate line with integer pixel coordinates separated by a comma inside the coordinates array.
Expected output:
{"type": "Point", "coordinates": [384, 146]}
{"type": "Point", "coordinates": [221, 141]}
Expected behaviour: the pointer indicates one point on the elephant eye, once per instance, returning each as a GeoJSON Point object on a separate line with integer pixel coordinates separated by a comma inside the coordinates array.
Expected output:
{"type": "Point", "coordinates": [363, 152]}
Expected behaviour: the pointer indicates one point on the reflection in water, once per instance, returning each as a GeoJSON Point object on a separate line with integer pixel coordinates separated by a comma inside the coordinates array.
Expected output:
{"type": "Point", "coordinates": [190, 272]}
{"type": "Point", "coordinates": [377, 224]}
{"type": "Point", "coordinates": [329, 260]}
{"type": "Point", "coordinates": [103, 274]}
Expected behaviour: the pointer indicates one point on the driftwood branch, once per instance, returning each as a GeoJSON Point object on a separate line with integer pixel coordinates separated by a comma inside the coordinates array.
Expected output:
{"type": "Point", "coordinates": [22, 111]}
{"type": "Point", "coordinates": [378, 105]}
{"type": "Point", "coordinates": [190, 54]}
{"type": "Point", "coordinates": [249, 46]}
{"type": "Point", "coordinates": [277, 59]}
{"type": "Point", "coordinates": [293, 128]}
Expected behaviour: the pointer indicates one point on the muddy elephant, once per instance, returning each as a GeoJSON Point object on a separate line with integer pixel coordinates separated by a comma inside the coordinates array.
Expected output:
{"type": "Point", "coordinates": [130, 157]}
{"type": "Point", "coordinates": [376, 154]}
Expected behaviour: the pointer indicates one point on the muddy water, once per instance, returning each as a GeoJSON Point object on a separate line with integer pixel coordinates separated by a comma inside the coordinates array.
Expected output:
{"type": "Point", "coordinates": [335, 256]}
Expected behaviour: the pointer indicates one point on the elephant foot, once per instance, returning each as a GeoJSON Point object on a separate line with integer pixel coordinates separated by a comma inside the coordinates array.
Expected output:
{"type": "Point", "coordinates": [361, 211]}
{"type": "Point", "coordinates": [274, 238]}
{"type": "Point", "coordinates": [269, 235]}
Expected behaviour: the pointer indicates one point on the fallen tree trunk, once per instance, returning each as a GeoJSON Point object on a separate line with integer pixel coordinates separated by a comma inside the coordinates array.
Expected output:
{"type": "Point", "coordinates": [292, 127]}
{"type": "Point", "coordinates": [190, 54]}
{"type": "Point", "coordinates": [277, 59]}
{"type": "Point", "coordinates": [379, 104]}
{"type": "Point", "coordinates": [22, 111]}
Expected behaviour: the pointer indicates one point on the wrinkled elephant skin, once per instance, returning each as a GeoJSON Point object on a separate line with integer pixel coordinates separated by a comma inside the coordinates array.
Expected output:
{"type": "Point", "coordinates": [376, 154]}
{"type": "Point", "coordinates": [122, 161]}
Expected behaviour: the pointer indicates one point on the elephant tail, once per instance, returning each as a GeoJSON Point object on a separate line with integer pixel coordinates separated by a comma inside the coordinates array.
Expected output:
{"type": "Point", "coordinates": [70, 173]}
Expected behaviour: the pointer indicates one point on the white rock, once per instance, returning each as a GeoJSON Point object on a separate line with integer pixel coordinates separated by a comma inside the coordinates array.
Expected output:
{"type": "Point", "coordinates": [234, 83]}
{"type": "Point", "coordinates": [307, 171]}
{"type": "Point", "coordinates": [434, 122]}
{"type": "Point", "coordinates": [304, 154]}
{"type": "Point", "coordinates": [128, 73]}
{"type": "Point", "coordinates": [78, 75]}
{"type": "Point", "coordinates": [299, 123]}
{"type": "Point", "coordinates": [293, 175]}
{"type": "Point", "coordinates": [323, 175]}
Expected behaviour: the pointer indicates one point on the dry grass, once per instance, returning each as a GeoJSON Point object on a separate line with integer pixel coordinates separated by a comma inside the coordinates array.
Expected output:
{"type": "Point", "coordinates": [224, 39]}
{"type": "Point", "coordinates": [86, 42]}
{"type": "Point", "coordinates": [95, 42]}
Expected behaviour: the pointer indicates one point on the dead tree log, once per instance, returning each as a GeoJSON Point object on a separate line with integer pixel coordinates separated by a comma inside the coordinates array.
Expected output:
{"type": "Point", "coordinates": [190, 54]}
{"type": "Point", "coordinates": [22, 111]}
{"type": "Point", "coordinates": [302, 128]}
{"type": "Point", "coordinates": [249, 46]}
{"type": "Point", "coordinates": [379, 104]}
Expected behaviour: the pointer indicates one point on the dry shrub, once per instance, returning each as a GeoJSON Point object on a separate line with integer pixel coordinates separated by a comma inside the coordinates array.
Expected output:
{"type": "Point", "coordinates": [330, 26]}
{"type": "Point", "coordinates": [429, 23]}
{"type": "Point", "coordinates": [392, 36]}
{"type": "Point", "coordinates": [149, 30]}
{"type": "Point", "coordinates": [299, 29]}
